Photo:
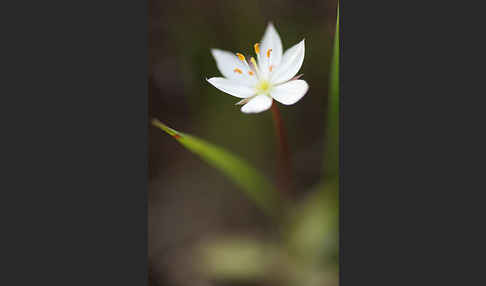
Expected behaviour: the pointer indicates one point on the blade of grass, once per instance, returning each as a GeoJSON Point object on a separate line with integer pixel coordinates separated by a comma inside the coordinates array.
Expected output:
{"type": "Point", "coordinates": [252, 182]}
{"type": "Point", "coordinates": [312, 225]}
{"type": "Point", "coordinates": [332, 149]}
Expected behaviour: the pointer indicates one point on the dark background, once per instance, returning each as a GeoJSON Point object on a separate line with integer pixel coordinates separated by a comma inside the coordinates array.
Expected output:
{"type": "Point", "coordinates": [74, 144]}
{"type": "Point", "coordinates": [188, 200]}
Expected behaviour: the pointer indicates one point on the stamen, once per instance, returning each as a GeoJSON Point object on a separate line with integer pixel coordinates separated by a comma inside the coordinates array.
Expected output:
{"type": "Point", "coordinates": [250, 73]}
{"type": "Point", "coordinates": [241, 57]}
{"type": "Point", "coordinates": [268, 52]}
{"type": "Point", "coordinates": [238, 70]}
{"type": "Point", "coordinates": [253, 62]}
{"type": "Point", "coordinates": [254, 67]}
{"type": "Point", "coordinates": [270, 68]}
{"type": "Point", "coordinates": [257, 48]}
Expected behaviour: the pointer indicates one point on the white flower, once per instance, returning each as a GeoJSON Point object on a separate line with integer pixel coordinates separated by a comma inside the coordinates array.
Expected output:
{"type": "Point", "coordinates": [258, 83]}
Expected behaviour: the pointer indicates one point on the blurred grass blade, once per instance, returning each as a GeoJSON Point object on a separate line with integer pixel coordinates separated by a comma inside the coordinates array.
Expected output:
{"type": "Point", "coordinates": [332, 149]}
{"type": "Point", "coordinates": [312, 228]}
{"type": "Point", "coordinates": [237, 259]}
{"type": "Point", "coordinates": [239, 171]}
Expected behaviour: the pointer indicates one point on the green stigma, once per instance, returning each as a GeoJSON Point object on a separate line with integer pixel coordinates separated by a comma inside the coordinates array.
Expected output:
{"type": "Point", "coordinates": [263, 87]}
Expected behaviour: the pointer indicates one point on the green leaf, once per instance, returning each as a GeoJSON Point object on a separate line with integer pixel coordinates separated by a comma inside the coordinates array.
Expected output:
{"type": "Point", "coordinates": [332, 149]}
{"type": "Point", "coordinates": [255, 186]}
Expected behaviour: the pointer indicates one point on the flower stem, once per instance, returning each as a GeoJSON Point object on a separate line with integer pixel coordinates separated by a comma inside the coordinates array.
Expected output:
{"type": "Point", "coordinates": [284, 178]}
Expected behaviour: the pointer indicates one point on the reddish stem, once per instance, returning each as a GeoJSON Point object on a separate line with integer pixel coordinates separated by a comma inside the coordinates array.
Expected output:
{"type": "Point", "coordinates": [284, 181]}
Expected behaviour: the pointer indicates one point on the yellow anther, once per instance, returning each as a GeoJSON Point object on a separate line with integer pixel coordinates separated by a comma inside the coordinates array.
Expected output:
{"type": "Point", "coordinates": [250, 72]}
{"type": "Point", "coordinates": [241, 57]}
{"type": "Point", "coordinates": [270, 68]}
{"type": "Point", "coordinates": [268, 52]}
{"type": "Point", "coordinates": [238, 70]}
{"type": "Point", "coordinates": [257, 48]}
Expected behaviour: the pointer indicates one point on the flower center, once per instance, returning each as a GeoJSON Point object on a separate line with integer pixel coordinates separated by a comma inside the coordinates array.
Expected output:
{"type": "Point", "coordinates": [263, 87]}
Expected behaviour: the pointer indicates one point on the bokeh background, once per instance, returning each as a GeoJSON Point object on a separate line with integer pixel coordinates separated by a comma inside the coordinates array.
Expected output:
{"type": "Point", "coordinates": [202, 229]}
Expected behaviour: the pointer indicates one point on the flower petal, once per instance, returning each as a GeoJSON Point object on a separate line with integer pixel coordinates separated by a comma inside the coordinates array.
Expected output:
{"type": "Point", "coordinates": [257, 104]}
{"type": "Point", "coordinates": [291, 63]}
{"type": "Point", "coordinates": [232, 87]}
{"type": "Point", "coordinates": [290, 92]}
{"type": "Point", "coordinates": [228, 62]}
{"type": "Point", "coordinates": [270, 41]}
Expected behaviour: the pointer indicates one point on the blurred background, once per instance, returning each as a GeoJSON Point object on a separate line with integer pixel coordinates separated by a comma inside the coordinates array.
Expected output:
{"type": "Point", "coordinates": [202, 229]}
